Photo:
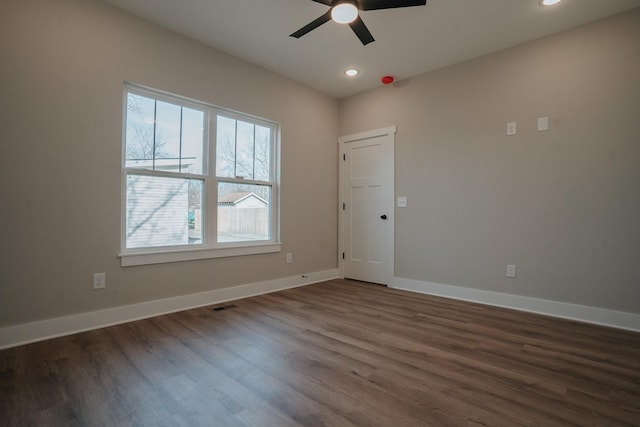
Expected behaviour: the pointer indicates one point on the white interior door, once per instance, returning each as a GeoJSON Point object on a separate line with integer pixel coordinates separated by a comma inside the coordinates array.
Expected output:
{"type": "Point", "coordinates": [366, 211]}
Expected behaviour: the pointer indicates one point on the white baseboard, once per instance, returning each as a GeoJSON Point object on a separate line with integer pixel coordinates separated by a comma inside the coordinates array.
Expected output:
{"type": "Point", "coordinates": [595, 315]}
{"type": "Point", "coordinates": [26, 333]}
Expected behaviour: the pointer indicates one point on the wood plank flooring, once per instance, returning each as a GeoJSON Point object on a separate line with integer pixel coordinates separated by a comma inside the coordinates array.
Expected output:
{"type": "Point", "coordinates": [338, 353]}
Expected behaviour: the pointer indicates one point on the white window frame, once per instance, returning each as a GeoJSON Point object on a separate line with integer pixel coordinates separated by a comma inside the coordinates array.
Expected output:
{"type": "Point", "coordinates": [210, 248]}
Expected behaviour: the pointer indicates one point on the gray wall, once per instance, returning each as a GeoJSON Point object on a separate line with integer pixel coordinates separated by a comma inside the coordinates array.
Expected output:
{"type": "Point", "coordinates": [62, 67]}
{"type": "Point", "coordinates": [562, 205]}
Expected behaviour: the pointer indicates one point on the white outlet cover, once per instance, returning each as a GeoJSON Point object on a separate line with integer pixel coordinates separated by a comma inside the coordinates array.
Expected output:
{"type": "Point", "coordinates": [99, 280]}
{"type": "Point", "coordinates": [511, 128]}
{"type": "Point", "coordinates": [511, 270]}
{"type": "Point", "coordinates": [402, 202]}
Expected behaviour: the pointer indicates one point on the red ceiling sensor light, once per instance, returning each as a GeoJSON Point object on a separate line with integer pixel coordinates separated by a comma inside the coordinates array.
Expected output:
{"type": "Point", "coordinates": [387, 80]}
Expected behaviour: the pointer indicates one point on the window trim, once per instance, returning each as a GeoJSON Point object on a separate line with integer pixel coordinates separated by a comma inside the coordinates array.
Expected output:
{"type": "Point", "coordinates": [211, 248]}
{"type": "Point", "coordinates": [182, 253]}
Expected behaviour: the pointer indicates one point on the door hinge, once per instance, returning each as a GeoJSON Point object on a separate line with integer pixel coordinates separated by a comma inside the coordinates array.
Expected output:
{"type": "Point", "coordinates": [344, 157]}
{"type": "Point", "coordinates": [344, 206]}
{"type": "Point", "coordinates": [342, 255]}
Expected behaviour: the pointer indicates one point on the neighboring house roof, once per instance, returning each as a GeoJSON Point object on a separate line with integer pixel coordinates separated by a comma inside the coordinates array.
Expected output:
{"type": "Point", "coordinates": [235, 198]}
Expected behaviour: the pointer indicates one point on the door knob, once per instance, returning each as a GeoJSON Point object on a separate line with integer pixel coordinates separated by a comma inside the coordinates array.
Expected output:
{"type": "Point", "coordinates": [383, 217]}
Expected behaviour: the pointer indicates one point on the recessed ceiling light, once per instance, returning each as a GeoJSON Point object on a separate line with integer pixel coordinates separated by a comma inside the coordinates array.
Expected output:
{"type": "Point", "coordinates": [344, 13]}
{"type": "Point", "coordinates": [352, 72]}
{"type": "Point", "coordinates": [549, 2]}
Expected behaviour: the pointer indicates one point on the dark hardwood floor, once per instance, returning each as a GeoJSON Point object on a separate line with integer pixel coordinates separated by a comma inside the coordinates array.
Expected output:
{"type": "Point", "coordinates": [338, 353]}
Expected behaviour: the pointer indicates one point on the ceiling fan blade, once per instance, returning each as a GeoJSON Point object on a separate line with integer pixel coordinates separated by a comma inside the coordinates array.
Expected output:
{"type": "Point", "coordinates": [389, 4]}
{"type": "Point", "coordinates": [361, 31]}
{"type": "Point", "coordinates": [313, 25]}
{"type": "Point", "coordinates": [327, 2]}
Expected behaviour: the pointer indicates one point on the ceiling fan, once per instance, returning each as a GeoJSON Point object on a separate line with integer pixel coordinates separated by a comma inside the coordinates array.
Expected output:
{"type": "Point", "coordinates": [346, 12]}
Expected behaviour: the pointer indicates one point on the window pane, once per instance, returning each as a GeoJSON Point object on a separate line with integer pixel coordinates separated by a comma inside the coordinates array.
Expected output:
{"type": "Point", "coordinates": [262, 154]}
{"type": "Point", "coordinates": [167, 137]}
{"type": "Point", "coordinates": [194, 219]}
{"type": "Point", "coordinates": [244, 150]}
{"type": "Point", "coordinates": [163, 211]}
{"type": "Point", "coordinates": [243, 212]}
{"type": "Point", "coordinates": [226, 147]}
{"type": "Point", "coordinates": [164, 136]}
{"type": "Point", "coordinates": [139, 131]}
{"type": "Point", "coordinates": [192, 141]}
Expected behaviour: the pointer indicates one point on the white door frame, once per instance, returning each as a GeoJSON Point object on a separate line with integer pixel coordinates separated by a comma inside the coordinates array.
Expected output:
{"type": "Point", "coordinates": [390, 204]}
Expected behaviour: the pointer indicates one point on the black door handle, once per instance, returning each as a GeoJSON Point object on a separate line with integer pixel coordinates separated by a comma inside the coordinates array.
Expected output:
{"type": "Point", "coordinates": [383, 217]}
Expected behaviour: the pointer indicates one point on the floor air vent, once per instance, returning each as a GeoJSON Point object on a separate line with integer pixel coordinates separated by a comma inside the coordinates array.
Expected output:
{"type": "Point", "coordinates": [224, 307]}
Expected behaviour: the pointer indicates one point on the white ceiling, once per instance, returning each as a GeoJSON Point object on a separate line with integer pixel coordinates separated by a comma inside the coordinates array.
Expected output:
{"type": "Point", "coordinates": [409, 41]}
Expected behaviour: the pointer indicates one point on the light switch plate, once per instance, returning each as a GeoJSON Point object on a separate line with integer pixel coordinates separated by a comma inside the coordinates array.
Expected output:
{"type": "Point", "coordinates": [402, 202]}
{"type": "Point", "coordinates": [543, 123]}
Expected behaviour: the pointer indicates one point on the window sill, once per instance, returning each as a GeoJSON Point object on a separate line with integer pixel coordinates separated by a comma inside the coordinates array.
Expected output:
{"type": "Point", "coordinates": [145, 258]}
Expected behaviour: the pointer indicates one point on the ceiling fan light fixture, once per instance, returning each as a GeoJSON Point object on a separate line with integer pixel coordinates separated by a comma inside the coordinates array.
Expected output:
{"type": "Point", "coordinates": [344, 13]}
{"type": "Point", "coordinates": [549, 2]}
{"type": "Point", "coordinates": [347, 12]}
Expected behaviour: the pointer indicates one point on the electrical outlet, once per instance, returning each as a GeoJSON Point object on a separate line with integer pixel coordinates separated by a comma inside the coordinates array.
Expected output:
{"type": "Point", "coordinates": [511, 128]}
{"type": "Point", "coordinates": [99, 280]}
{"type": "Point", "coordinates": [511, 270]}
{"type": "Point", "coordinates": [289, 257]}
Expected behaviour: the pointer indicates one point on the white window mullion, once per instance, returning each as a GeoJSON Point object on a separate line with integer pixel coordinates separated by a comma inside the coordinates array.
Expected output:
{"type": "Point", "coordinates": [164, 174]}
{"type": "Point", "coordinates": [211, 221]}
{"type": "Point", "coordinates": [275, 178]}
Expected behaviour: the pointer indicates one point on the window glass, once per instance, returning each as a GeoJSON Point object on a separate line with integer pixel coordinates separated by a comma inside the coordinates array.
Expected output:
{"type": "Point", "coordinates": [192, 141]}
{"type": "Point", "coordinates": [167, 136]}
{"type": "Point", "coordinates": [163, 136]}
{"type": "Point", "coordinates": [162, 211]}
{"type": "Point", "coordinates": [226, 147]}
{"type": "Point", "coordinates": [243, 150]}
{"type": "Point", "coordinates": [139, 131]}
{"type": "Point", "coordinates": [262, 154]}
{"type": "Point", "coordinates": [244, 212]}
